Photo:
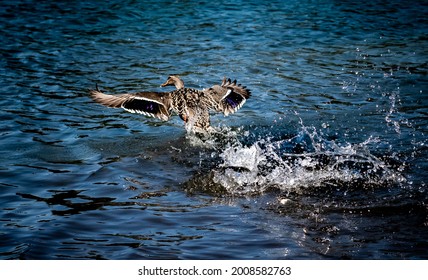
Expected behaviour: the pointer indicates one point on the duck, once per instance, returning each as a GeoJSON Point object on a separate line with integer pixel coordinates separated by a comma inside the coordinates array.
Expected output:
{"type": "Point", "coordinates": [193, 106]}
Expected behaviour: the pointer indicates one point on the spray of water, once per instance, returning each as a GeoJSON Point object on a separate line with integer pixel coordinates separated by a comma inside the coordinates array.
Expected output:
{"type": "Point", "coordinates": [298, 162]}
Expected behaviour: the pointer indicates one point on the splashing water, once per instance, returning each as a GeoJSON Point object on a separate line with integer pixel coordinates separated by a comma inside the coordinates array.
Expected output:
{"type": "Point", "coordinates": [306, 160]}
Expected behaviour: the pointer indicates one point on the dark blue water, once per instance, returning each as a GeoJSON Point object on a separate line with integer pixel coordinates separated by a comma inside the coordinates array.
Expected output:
{"type": "Point", "coordinates": [326, 160]}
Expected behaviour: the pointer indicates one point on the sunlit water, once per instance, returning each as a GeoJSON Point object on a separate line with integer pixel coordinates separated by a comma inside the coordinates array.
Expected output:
{"type": "Point", "coordinates": [326, 160]}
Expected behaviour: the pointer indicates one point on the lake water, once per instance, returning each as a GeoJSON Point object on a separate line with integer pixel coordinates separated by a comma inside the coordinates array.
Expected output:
{"type": "Point", "coordinates": [326, 160]}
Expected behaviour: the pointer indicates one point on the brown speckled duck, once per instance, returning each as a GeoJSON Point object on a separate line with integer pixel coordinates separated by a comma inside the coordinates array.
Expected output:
{"type": "Point", "coordinates": [190, 104]}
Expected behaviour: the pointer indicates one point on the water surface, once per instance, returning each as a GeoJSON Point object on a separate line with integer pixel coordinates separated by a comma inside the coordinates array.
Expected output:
{"type": "Point", "coordinates": [326, 160]}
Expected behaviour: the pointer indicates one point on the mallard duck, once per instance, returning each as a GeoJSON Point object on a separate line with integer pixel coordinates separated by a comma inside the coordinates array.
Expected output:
{"type": "Point", "coordinates": [190, 104]}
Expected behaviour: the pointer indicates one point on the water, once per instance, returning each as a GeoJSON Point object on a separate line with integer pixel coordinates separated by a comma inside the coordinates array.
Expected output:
{"type": "Point", "coordinates": [326, 160]}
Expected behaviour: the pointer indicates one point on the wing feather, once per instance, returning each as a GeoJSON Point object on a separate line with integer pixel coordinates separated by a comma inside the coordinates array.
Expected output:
{"type": "Point", "coordinates": [152, 104]}
{"type": "Point", "coordinates": [227, 97]}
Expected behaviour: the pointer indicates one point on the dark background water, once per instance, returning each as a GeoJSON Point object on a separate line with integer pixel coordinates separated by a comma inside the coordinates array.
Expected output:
{"type": "Point", "coordinates": [326, 160]}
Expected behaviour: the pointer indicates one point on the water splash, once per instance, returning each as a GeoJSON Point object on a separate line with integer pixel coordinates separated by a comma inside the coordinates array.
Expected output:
{"type": "Point", "coordinates": [393, 117]}
{"type": "Point", "coordinates": [216, 138]}
{"type": "Point", "coordinates": [306, 160]}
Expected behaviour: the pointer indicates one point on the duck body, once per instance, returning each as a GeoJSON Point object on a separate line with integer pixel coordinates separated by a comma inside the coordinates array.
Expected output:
{"type": "Point", "coordinates": [191, 105]}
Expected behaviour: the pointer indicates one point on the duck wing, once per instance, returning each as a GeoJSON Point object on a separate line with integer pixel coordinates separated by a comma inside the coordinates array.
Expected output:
{"type": "Point", "coordinates": [152, 104]}
{"type": "Point", "coordinates": [227, 97]}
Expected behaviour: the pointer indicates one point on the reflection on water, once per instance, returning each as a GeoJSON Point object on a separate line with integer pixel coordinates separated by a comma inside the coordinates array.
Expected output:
{"type": "Point", "coordinates": [71, 201]}
{"type": "Point", "coordinates": [326, 160]}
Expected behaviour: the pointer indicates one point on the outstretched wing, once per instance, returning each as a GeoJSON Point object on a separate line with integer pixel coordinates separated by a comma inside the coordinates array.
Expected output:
{"type": "Point", "coordinates": [152, 104]}
{"type": "Point", "coordinates": [227, 97]}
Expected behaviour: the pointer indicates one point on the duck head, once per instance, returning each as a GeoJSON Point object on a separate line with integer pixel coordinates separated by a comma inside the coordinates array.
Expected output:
{"type": "Point", "coordinates": [174, 80]}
